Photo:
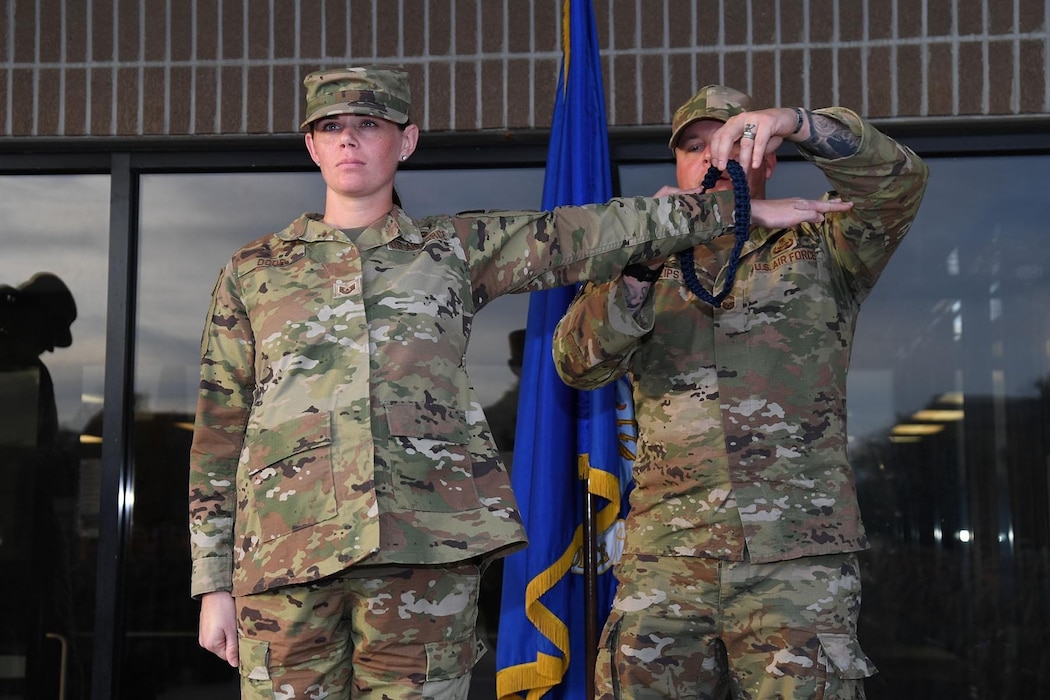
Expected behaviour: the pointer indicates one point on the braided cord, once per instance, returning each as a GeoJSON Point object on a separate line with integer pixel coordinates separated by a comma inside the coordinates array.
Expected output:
{"type": "Point", "coordinates": [741, 230]}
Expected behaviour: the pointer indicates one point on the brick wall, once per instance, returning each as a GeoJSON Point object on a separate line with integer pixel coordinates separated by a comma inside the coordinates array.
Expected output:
{"type": "Point", "coordinates": [202, 67]}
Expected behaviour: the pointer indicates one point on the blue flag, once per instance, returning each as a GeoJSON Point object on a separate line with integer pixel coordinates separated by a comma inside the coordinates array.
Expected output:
{"type": "Point", "coordinates": [563, 435]}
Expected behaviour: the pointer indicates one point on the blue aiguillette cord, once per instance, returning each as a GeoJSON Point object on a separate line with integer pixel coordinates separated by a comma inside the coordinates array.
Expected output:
{"type": "Point", "coordinates": [741, 230]}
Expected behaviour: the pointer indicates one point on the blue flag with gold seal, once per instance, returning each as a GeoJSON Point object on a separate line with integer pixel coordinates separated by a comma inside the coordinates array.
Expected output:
{"type": "Point", "coordinates": [563, 435]}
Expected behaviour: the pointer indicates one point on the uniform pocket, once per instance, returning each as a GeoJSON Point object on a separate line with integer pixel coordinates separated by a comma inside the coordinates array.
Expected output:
{"type": "Point", "coordinates": [448, 660]}
{"type": "Point", "coordinates": [844, 657]}
{"type": "Point", "coordinates": [254, 660]}
{"type": "Point", "coordinates": [290, 484]}
{"type": "Point", "coordinates": [427, 458]}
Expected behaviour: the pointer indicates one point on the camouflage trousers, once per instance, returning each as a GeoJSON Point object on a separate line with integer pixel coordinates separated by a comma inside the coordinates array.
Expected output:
{"type": "Point", "coordinates": [703, 629]}
{"type": "Point", "coordinates": [391, 633]}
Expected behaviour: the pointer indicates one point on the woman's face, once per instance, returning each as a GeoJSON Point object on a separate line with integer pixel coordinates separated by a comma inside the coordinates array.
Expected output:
{"type": "Point", "coordinates": [358, 155]}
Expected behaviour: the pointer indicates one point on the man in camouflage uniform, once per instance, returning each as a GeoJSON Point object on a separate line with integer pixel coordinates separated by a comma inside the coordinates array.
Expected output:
{"type": "Point", "coordinates": [739, 573]}
{"type": "Point", "coordinates": [345, 490]}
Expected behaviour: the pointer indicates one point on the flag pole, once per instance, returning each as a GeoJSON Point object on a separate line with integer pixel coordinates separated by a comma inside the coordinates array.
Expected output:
{"type": "Point", "coordinates": [590, 583]}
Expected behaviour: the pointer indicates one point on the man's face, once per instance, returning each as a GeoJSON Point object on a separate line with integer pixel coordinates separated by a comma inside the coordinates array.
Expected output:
{"type": "Point", "coordinates": [693, 158]}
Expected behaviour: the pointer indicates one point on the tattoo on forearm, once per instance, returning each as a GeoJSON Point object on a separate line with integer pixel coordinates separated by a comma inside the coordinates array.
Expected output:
{"type": "Point", "coordinates": [829, 138]}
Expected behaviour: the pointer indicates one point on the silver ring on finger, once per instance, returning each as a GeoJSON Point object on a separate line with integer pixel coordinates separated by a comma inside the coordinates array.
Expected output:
{"type": "Point", "coordinates": [749, 131]}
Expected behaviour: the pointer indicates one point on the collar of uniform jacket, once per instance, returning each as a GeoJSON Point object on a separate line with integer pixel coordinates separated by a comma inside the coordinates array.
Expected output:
{"type": "Point", "coordinates": [397, 224]}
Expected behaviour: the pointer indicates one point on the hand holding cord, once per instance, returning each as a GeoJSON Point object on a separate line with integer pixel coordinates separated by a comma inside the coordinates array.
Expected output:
{"type": "Point", "coordinates": [741, 230]}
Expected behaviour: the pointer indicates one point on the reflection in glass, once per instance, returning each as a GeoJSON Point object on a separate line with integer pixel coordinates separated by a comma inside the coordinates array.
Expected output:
{"type": "Point", "coordinates": [52, 339]}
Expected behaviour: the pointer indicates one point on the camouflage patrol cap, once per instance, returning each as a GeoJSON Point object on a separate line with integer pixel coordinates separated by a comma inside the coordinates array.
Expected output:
{"type": "Point", "coordinates": [711, 102]}
{"type": "Point", "coordinates": [377, 91]}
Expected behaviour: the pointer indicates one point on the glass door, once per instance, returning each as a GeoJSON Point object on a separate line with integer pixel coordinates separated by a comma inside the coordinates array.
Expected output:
{"type": "Point", "coordinates": [53, 269]}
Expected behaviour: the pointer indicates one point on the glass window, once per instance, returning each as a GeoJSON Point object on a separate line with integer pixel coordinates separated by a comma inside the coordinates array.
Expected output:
{"type": "Point", "coordinates": [53, 270]}
{"type": "Point", "coordinates": [190, 225]}
{"type": "Point", "coordinates": [948, 426]}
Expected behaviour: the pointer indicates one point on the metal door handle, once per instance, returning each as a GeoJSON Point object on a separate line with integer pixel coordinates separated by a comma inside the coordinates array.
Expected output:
{"type": "Point", "coordinates": [62, 663]}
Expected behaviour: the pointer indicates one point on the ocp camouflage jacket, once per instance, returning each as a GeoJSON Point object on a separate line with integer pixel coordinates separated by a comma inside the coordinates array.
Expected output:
{"type": "Point", "coordinates": [741, 409]}
{"type": "Point", "coordinates": [336, 424]}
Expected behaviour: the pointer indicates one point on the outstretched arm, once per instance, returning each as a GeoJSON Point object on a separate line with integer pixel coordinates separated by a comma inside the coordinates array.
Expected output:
{"type": "Point", "coordinates": [783, 213]}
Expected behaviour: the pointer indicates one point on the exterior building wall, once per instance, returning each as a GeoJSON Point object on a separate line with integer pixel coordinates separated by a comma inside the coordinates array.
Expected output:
{"type": "Point", "coordinates": [126, 68]}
